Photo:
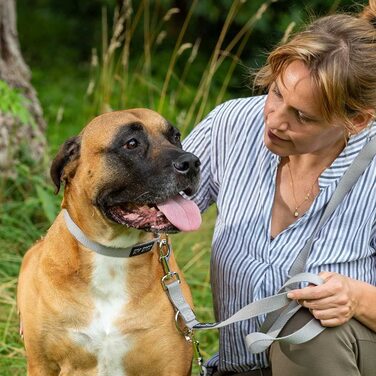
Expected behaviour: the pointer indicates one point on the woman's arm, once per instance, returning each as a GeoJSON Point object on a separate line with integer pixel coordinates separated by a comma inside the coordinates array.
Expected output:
{"type": "Point", "coordinates": [199, 142]}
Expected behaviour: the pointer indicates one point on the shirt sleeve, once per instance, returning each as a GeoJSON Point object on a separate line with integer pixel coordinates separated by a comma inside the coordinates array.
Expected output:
{"type": "Point", "coordinates": [373, 237]}
{"type": "Point", "coordinates": [213, 139]}
{"type": "Point", "coordinates": [198, 142]}
{"type": "Point", "coordinates": [206, 142]}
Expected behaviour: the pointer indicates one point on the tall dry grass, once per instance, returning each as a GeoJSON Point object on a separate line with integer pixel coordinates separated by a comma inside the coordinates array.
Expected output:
{"type": "Point", "coordinates": [118, 82]}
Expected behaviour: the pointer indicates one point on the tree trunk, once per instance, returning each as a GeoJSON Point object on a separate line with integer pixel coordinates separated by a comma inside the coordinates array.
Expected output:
{"type": "Point", "coordinates": [15, 132]}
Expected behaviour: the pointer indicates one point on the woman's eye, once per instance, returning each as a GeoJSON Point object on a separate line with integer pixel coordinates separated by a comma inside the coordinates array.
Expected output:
{"type": "Point", "coordinates": [302, 118]}
{"type": "Point", "coordinates": [276, 92]}
{"type": "Point", "coordinates": [131, 144]}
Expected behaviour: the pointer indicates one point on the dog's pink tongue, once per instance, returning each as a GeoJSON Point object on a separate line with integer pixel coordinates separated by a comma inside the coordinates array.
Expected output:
{"type": "Point", "coordinates": [183, 214]}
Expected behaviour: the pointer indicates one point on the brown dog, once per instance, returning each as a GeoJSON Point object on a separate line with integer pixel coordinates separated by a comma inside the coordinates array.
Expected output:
{"type": "Point", "coordinates": [84, 313]}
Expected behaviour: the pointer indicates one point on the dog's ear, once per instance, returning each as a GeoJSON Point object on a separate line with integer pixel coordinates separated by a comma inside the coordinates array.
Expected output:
{"type": "Point", "coordinates": [69, 152]}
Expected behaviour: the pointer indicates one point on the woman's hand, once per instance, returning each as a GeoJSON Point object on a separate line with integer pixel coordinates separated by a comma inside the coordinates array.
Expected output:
{"type": "Point", "coordinates": [334, 302]}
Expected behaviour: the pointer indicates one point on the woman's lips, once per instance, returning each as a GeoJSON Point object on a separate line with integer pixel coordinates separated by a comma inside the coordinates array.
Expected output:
{"type": "Point", "coordinates": [273, 137]}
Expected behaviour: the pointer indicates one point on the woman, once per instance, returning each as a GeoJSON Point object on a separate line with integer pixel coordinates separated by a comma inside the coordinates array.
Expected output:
{"type": "Point", "coordinates": [271, 164]}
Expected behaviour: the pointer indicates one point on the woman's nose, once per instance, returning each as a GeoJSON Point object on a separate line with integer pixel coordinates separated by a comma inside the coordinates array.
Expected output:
{"type": "Point", "coordinates": [277, 119]}
{"type": "Point", "coordinates": [277, 123]}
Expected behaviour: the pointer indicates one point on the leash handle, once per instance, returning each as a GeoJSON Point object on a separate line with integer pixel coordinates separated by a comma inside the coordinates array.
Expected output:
{"type": "Point", "coordinates": [258, 342]}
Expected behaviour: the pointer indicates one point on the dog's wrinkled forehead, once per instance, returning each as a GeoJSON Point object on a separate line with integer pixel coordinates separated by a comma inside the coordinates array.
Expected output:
{"type": "Point", "coordinates": [102, 129]}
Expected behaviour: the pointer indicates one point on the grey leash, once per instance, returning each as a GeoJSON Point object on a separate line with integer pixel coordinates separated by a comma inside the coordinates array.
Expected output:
{"type": "Point", "coordinates": [278, 307]}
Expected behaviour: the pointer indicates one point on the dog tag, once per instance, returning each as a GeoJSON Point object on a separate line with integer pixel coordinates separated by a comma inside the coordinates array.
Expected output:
{"type": "Point", "coordinates": [142, 248]}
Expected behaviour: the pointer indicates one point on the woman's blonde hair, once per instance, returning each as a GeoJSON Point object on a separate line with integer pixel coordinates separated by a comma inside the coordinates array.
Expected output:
{"type": "Point", "coordinates": [340, 52]}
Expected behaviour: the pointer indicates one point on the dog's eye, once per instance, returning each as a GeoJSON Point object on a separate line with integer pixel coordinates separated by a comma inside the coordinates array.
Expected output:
{"type": "Point", "coordinates": [131, 144]}
{"type": "Point", "coordinates": [177, 137]}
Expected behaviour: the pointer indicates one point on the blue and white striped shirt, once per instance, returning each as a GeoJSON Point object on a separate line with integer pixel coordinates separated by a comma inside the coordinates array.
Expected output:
{"type": "Point", "coordinates": [239, 175]}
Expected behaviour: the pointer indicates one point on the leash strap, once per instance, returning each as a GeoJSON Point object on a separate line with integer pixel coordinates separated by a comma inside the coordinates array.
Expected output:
{"type": "Point", "coordinates": [176, 296]}
{"type": "Point", "coordinates": [131, 251]}
{"type": "Point", "coordinates": [258, 342]}
{"type": "Point", "coordinates": [171, 284]}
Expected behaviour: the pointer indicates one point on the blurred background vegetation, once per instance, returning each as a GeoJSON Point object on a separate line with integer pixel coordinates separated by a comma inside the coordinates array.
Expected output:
{"type": "Point", "coordinates": [179, 57]}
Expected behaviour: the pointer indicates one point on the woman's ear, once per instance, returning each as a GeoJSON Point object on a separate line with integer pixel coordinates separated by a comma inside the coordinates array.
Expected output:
{"type": "Point", "coordinates": [362, 119]}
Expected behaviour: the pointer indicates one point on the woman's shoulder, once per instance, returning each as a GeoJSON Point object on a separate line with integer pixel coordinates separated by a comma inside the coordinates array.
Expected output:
{"type": "Point", "coordinates": [235, 108]}
{"type": "Point", "coordinates": [238, 114]}
{"type": "Point", "coordinates": [234, 117]}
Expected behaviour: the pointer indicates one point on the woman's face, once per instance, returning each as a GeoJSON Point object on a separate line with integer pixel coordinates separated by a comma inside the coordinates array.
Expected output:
{"type": "Point", "coordinates": [293, 122]}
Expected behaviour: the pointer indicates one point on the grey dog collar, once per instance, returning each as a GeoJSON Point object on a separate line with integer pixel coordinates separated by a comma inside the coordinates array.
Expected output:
{"type": "Point", "coordinates": [134, 250]}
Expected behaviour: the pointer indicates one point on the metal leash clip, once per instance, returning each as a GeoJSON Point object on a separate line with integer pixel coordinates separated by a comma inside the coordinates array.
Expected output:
{"type": "Point", "coordinates": [168, 277]}
{"type": "Point", "coordinates": [197, 353]}
{"type": "Point", "coordinates": [190, 337]}
{"type": "Point", "coordinates": [164, 256]}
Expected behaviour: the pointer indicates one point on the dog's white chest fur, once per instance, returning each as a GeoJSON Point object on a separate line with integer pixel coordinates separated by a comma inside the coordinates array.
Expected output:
{"type": "Point", "coordinates": [102, 337]}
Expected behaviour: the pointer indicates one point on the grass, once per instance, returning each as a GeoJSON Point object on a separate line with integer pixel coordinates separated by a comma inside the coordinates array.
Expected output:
{"type": "Point", "coordinates": [119, 80]}
{"type": "Point", "coordinates": [21, 222]}
{"type": "Point", "coordinates": [165, 77]}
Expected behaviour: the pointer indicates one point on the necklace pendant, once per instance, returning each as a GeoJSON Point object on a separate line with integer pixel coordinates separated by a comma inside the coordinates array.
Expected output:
{"type": "Point", "coordinates": [296, 213]}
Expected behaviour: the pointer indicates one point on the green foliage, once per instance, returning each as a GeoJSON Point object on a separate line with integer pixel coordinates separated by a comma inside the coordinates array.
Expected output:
{"type": "Point", "coordinates": [13, 102]}
{"type": "Point", "coordinates": [62, 94]}
{"type": "Point", "coordinates": [166, 72]}
{"type": "Point", "coordinates": [28, 205]}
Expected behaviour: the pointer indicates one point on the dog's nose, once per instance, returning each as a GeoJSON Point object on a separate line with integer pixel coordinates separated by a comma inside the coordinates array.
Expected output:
{"type": "Point", "coordinates": [187, 163]}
